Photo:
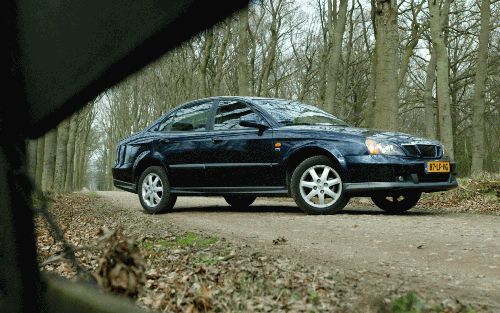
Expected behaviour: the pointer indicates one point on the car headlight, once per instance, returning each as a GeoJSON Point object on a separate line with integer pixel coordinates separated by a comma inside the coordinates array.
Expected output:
{"type": "Point", "coordinates": [383, 147]}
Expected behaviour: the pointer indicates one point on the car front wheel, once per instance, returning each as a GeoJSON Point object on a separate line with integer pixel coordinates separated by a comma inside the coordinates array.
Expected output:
{"type": "Point", "coordinates": [154, 191]}
{"type": "Point", "coordinates": [316, 186]}
{"type": "Point", "coordinates": [396, 202]}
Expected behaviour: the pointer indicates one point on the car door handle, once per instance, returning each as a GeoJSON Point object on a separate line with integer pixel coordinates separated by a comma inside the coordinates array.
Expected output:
{"type": "Point", "coordinates": [216, 140]}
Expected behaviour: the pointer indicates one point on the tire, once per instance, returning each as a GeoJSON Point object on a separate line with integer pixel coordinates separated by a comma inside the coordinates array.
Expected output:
{"type": "Point", "coordinates": [314, 192]}
{"type": "Point", "coordinates": [240, 201]}
{"type": "Point", "coordinates": [396, 202]}
{"type": "Point", "coordinates": [155, 177]}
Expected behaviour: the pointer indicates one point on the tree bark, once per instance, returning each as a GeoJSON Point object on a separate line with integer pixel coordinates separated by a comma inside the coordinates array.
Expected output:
{"type": "Point", "coordinates": [219, 66]}
{"type": "Point", "coordinates": [31, 151]}
{"type": "Point", "coordinates": [70, 153]}
{"type": "Point", "coordinates": [336, 51]}
{"type": "Point", "coordinates": [386, 66]}
{"type": "Point", "coordinates": [412, 43]}
{"type": "Point", "coordinates": [429, 104]}
{"type": "Point", "coordinates": [243, 78]}
{"type": "Point", "coordinates": [479, 90]}
{"type": "Point", "coordinates": [346, 74]}
{"type": "Point", "coordinates": [61, 157]}
{"type": "Point", "coordinates": [40, 145]}
{"type": "Point", "coordinates": [438, 18]}
{"type": "Point", "coordinates": [207, 51]}
{"type": "Point", "coordinates": [82, 161]}
{"type": "Point", "coordinates": [49, 160]}
{"type": "Point", "coordinates": [270, 55]}
{"type": "Point", "coordinates": [76, 162]}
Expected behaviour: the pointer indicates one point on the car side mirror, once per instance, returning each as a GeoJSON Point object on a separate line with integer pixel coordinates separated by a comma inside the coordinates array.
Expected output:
{"type": "Point", "coordinates": [253, 122]}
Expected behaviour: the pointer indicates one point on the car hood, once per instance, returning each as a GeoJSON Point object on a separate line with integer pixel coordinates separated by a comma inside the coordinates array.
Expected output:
{"type": "Point", "coordinates": [360, 133]}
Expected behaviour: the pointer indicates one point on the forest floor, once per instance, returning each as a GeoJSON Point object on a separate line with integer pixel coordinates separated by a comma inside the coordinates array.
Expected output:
{"type": "Point", "coordinates": [206, 256]}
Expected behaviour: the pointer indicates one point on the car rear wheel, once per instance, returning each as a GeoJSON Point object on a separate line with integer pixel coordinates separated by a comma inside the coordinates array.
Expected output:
{"type": "Point", "coordinates": [240, 201]}
{"type": "Point", "coordinates": [316, 186]}
{"type": "Point", "coordinates": [154, 191]}
{"type": "Point", "coordinates": [396, 202]}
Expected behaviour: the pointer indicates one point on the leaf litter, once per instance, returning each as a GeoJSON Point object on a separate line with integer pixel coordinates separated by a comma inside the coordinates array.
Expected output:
{"type": "Point", "coordinates": [170, 270]}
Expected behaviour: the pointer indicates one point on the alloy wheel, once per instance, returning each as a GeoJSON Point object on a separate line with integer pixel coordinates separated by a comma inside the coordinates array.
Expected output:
{"type": "Point", "coordinates": [152, 189]}
{"type": "Point", "coordinates": [320, 186]}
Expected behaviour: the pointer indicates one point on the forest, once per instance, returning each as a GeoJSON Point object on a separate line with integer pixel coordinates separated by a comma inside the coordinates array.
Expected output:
{"type": "Point", "coordinates": [425, 67]}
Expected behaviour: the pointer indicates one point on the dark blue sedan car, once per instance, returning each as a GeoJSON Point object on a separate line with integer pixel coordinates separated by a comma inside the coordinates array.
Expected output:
{"type": "Point", "coordinates": [244, 147]}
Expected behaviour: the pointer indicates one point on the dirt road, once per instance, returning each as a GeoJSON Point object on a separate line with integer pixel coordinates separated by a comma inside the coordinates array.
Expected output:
{"type": "Point", "coordinates": [436, 254]}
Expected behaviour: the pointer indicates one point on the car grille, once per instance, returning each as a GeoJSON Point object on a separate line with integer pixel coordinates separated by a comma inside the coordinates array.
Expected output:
{"type": "Point", "coordinates": [424, 151]}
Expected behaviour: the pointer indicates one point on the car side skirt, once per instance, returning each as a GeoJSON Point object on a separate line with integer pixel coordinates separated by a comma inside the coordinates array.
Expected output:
{"type": "Point", "coordinates": [223, 191]}
{"type": "Point", "coordinates": [127, 186]}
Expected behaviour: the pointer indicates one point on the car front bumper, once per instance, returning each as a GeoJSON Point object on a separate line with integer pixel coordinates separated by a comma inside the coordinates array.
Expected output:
{"type": "Point", "coordinates": [374, 173]}
{"type": "Point", "coordinates": [370, 187]}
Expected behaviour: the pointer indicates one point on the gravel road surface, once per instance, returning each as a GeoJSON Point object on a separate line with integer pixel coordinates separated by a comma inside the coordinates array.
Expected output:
{"type": "Point", "coordinates": [438, 254]}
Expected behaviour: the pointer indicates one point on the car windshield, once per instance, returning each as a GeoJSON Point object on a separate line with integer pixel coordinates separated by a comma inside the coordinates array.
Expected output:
{"type": "Point", "coordinates": [288, 112]}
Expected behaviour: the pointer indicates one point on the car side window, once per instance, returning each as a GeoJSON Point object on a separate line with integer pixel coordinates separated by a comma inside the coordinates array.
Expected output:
{"type": "Point", "coordinates": [229, 113]}
{"type": "Point", "coordinates": [192, 118]}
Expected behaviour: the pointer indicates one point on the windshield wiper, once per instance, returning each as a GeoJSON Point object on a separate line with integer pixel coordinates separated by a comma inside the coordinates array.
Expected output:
{"type": "Point", "coordinates": [291, 123]}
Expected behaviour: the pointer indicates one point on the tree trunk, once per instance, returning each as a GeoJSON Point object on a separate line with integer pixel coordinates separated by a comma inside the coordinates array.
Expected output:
{"type": "Point", "coordinates": [40, 145]}
{"type": "Point", "coordinates": [219, 66]}
{"type": "Point", "coordinates": [336, 51]}
{"type": "Point", "coordinates": [386, 66]}
{"type": "Point", "coordinates": [369, 111]}
{"type": "Point", "coordinates": [31, 151]}
{"type": "Point", "coordinates": [479, 89]}
{"type": "Point", "coordinates": [76, 162]}
{"type": "Point", "coordinates": [207, 51]}
{"type": "Point", "coordinates": [346, 74]}
{"type": "Point", "coordinates": [81, 163]}
{"type": "Point", "coordinates": [70, 153]}
{"type": "Point", "coordinates": [322, 75]}
{"type": "Point", "coordinates": [271, 49]}
{"type": "Point", "coordinates": [62, 141]}
{"type": "Point", "coordinates": [438, 19]}
{"type": "Point", "coordinates": [49, 160]}
{"type": "Point", "coordinates": [412, 43]}
{"type": "Point", "coordinates": [430, 106]}
{"type": "Point", "coordinates": [243, 78]}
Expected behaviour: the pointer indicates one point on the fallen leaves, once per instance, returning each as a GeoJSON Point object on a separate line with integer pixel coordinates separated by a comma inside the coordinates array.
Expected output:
{"type": "Point", "coordinates": [479, 195]}
{"type": "Point", "coordinates": [280, 241]}
{"type": "Point", "coordinates": [173, 271]}
{"type": "Point", "coordinates": [121, 265]}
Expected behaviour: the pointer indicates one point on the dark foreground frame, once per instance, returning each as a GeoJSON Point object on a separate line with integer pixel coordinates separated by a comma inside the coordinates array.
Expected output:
{"type": "Point", "coordinates": [59, 56]}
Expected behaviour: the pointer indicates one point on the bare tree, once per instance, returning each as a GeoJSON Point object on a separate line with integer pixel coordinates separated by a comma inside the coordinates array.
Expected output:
{"type": "Point", "coordinates": [439, 10]}
{"type": "Point", "coordinates": [429, 103]}
{"type": "Point", "coordinates": [70, 150]}
{"type": "Point", "coordinates": [336, 30]}
{"type": "Point", "coordinates": [479, 91]}
{"type": "Point", "coordinates": [61, 155]}
{"type": "Point", "coordinates": [49, 160]}
{"type": "Point", "coordinates": [385, 16]}
{"type": "Point", "coordinates": [40, 145]}
{"type": "Point", "coordinates": [243, 33]}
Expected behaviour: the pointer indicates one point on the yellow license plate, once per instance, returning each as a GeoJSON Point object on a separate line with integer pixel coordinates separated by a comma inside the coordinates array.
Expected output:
{"type": "Point", "coordinates": [437, 167]}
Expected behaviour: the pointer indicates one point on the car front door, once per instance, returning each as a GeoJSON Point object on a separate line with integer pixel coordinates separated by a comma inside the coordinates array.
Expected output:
{"type": "Point", "coordinates": [238, 156]}
{"type": "Point", "coordinates": [179, 139]}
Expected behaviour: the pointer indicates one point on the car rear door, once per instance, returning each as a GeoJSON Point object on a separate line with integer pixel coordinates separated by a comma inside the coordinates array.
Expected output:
{"type": "Point", "coordinates": [238, 156]}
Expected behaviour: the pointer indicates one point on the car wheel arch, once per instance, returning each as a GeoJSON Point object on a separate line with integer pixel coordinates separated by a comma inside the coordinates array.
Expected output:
{"type": "Point", "coordinates": [142, 163]}
{"type": "Point", "coordinates": [303, 153]}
